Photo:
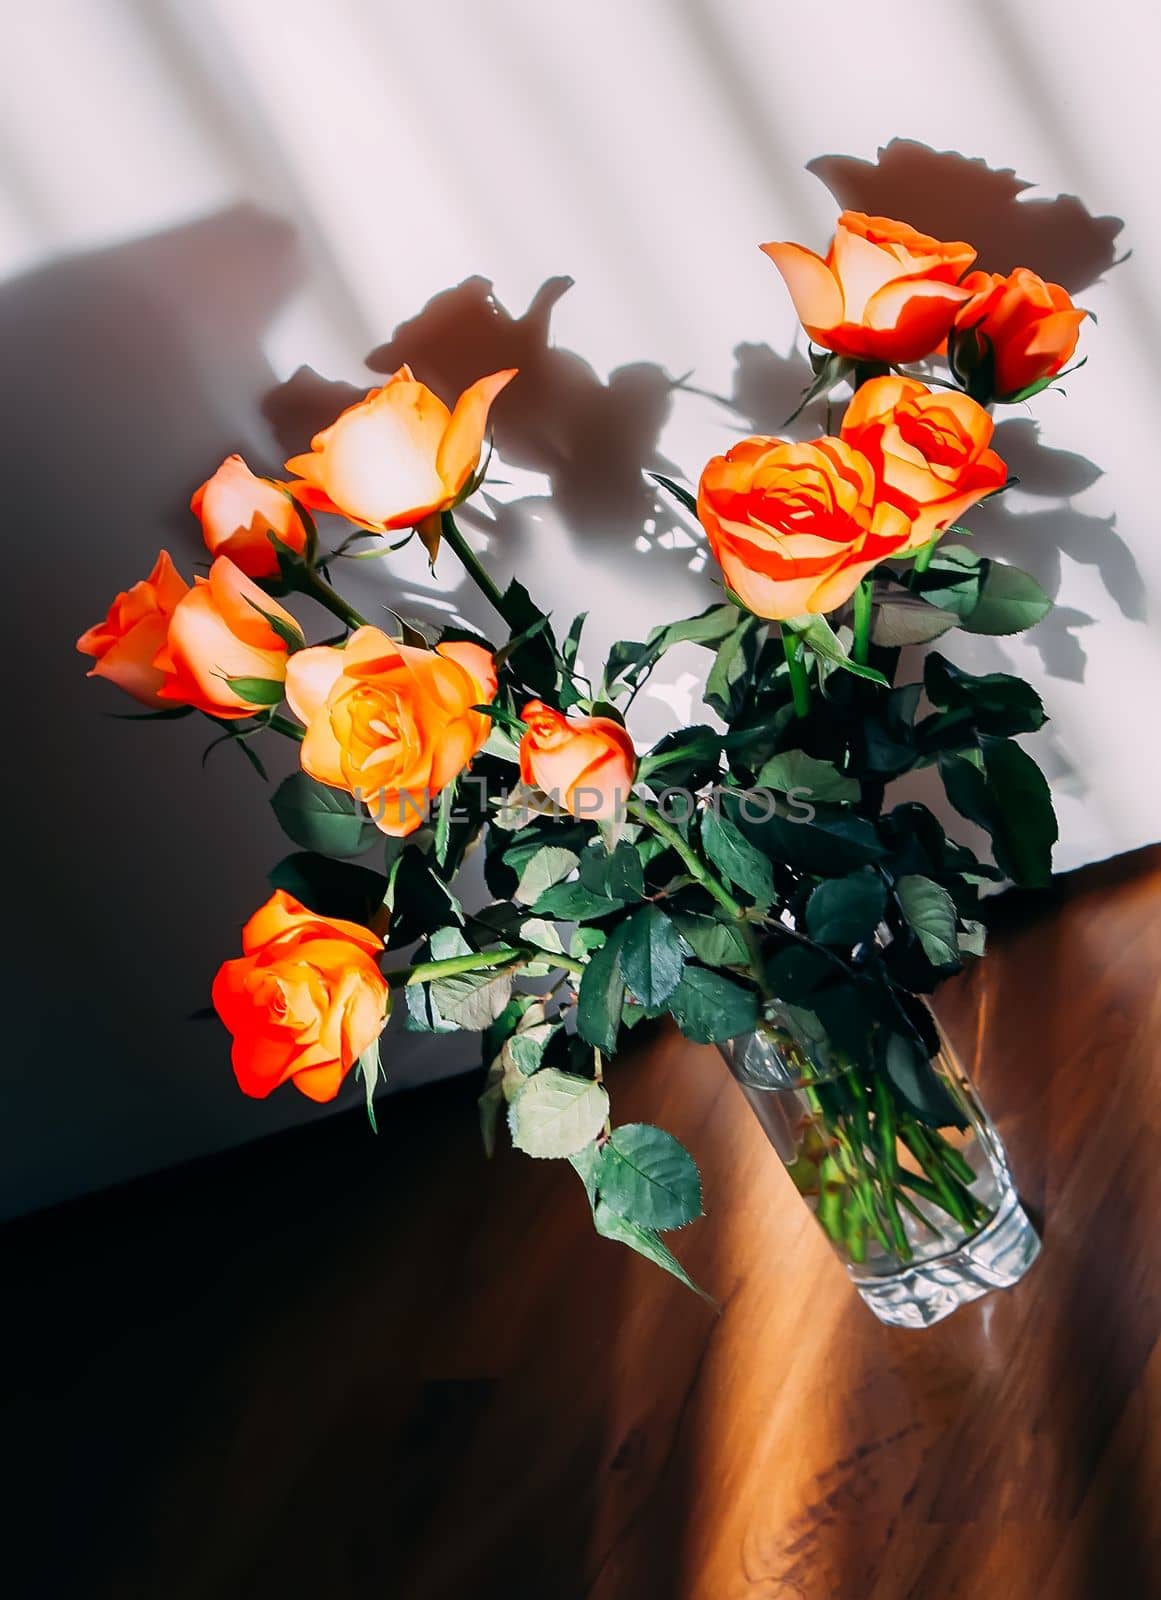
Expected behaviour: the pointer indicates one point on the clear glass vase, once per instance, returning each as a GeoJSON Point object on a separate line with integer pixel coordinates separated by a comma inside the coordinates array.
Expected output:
{"type": "Point", "coordinates": [913, 1191]}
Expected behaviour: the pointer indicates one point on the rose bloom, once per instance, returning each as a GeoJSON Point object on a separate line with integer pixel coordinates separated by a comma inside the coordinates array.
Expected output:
{"type": "Point", "coordinates": [883, 292]}
{"type": "Point", "coordinates": [304, 1000]}
{"type": "Point", "coordinates": [391, 724]}
{"type": "Point", "coordinates": [237, 510]}
{"type": "Point", "coordinates": [399, 456]}
{"type": "Point", "coordinates": [795, 527]}
{"type": "Point", "coordinates": [218, 632]}
{"type": "Point", "coordinates": [1031, 326]}
{"type": "Point", "coordinates": [134, 630]}
{"type": "Point", "coordinates": [929, 450]}
{"type": "Point", "coordinates": [586, 764]}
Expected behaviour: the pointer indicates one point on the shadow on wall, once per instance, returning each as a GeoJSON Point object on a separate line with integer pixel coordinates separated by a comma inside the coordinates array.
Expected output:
{"type": "Point", "coordinates": [126, 371]}
{"type": "Point", "coordinates": [592, 441]}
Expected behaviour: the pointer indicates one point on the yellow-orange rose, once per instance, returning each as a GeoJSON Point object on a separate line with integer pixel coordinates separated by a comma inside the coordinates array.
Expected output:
{"type": "Point", "coordinates": [217, 633]}
{"type": "Point", "coordinates": [795, 527]}
{"type": "Point", "coordinates": [929, 450]}
{"type": "Point", "coordinates": [399, 456]}
{"type": "Point", "coordinates": [391, 724]}
{"type": "Point", "coordinates": [586, 764]}
{"type": "Point", "coordinates": [883, 292]}
{"type": "Point", "coordinates": [237, 510]}
{"type": "Point", "coordinates": [134, 630]}
{"type": "Point", "coordinates": [304, 1000]}
{"type": "Point", "coordinates": [1029, 332]}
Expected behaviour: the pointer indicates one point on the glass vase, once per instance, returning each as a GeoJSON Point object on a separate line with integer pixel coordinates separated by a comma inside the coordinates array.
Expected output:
{"type": "Point", "coordinates": [912, 1190]}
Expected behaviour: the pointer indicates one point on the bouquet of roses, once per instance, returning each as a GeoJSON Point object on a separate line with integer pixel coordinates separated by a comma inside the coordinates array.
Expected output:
{"type": "Point", "coordinates": [743, 875]}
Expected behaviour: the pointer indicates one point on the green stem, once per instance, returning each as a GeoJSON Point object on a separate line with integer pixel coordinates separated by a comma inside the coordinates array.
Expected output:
{"type": "Point", "coordinates": [479, 961]}
{"type": "Point", "coordinates": [310, 581]}
{"type": "Point", "coordinates": [281, 724]}
{"type": "Point", "coordinates": [476, 570]}
{"type": "Point", "coordinates": [799, 682]}
{"type": "Point", "coordinates": [923, 557]}
{"type": "Point", "coordinates": [864, 606]}
{"type": "Point", "coordinates": [664, 829]}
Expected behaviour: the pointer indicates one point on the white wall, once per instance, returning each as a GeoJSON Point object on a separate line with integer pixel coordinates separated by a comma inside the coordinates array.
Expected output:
{"type": "Point", "coordinates": [199, 196]}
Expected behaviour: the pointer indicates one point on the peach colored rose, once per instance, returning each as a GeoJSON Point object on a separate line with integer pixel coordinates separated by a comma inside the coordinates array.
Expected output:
{"type": "Point", "coordinates": [304, 1000]}
{"type": "Point", "coordinates": [237, 510]}
{"type": "Point", "coordinates": [390, 724]}
{"type": "Point", "coordinates": [126, 643]}
{"type": "Point", "coordinates": [883, 292]}
{"type": "Point", "coordinates": [398, 457]}
{"type": "Point", "coordinates": [929, 449]}
{"type": "Point", "coordinates": [795, 527]}
{"type": "Point", "coordinates": [1026, 331]}
{"type": "Point", "coordinates": [217, 633]}
{"type": "Point", "coordinates": [586, 764]}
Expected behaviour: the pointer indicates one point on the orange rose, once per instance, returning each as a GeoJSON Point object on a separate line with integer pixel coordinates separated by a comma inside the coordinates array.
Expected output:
{"type": "Point", "coordinates": [303, 1002]}
{"type": "Point", "coordinates": [883, 293]}
{"type": "Point", "coordinates": [391, 724]}
{"type": "Point", "coordinates": [795, 527]}
{"type": "Point", "coordinates": [399, 456]}
{"type": "Point", "coordinates": [586, 764]}
{"type": "Point", "coordinates": [1026, 331]}
{"type": "Point", "coordinates": [237, 510]}
{"type": "Point", "coordinates": [134, 631]}
{"type": "Point", "coordinates": [929, 450]}
{"type": "Point", "coordinates": [217, 633]}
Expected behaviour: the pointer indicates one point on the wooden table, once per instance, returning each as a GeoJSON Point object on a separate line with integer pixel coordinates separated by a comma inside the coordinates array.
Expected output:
{"type": "Point", "coordinates": [344, 1366]}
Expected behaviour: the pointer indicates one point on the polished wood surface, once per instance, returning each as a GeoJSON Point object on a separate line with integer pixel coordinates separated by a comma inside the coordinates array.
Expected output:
{"type": "Point", "coordinates": [344, 1366]}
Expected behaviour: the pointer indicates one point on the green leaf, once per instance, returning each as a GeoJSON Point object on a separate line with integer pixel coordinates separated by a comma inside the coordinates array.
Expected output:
{"type": "Point", "coordinates": [910, 1073]}
{"type": "Point", "coordinates": [443, 818]}
{"type": "Point", "coordinates": [648, 1177]}
{"type": "Point", "coordinates": [713, 940]}
{"type": "Point", "coordinates": [1009, 602]}
{"type": "Point", "coordinates": [587, 1163]}
{"type": "Point", "coordinates": [732, 673]}
{"type": "Point", "coordinates": [998, 702]}
{"type": "Point", "coordinates": [930, 911]}
{"type": "Point", "coordinates": [258, 691]}
{"type": "Point", "coordinates": [817, 780]}
{"type": "Point", "coordinates": [733, 854]}
{"type": "Point", "coordinates": [710, 1008]}
{"type": "Point", "coordinates": [574, 902]}
{"type": "Point", "coordinates": [368, 1067]}
{"type": "Point", "coordinates": [846, 911]}
{"type": "Point", "coordinates": [602, 994]}
{"type": "Point", "coordinates": [320, 818]}
{"type": "Point", "coordinates": [556, 1114]}
{"type": "Point", "coordinates": [616, 874]}
{"type": "Point", "coordinates": [646, 1243]}
{"type": "Point", "coordinates": [817, 635]}
{"type": "Point", "coordinates": [952, 580]}
{"type": "Point", "coordinates": [550, 864]}
{"type": "Point", "coordinates": [289, 632]}
{"type": "Point", "coordinates": [909, 619]}
{"type": "Point", "coordinates": [1011, 800]}
{"type": "Point", "coordinates": [568, 650]}
{"type": "Point", "coordinates": [651, 956]}
{"type": "Point", "coordinates": [688, 758]}
{"type": "Point", "coordinates": [332, 888]}
{"type": "Point", "coordinates": [472, 1000]}
{"type": "Point", "coordinates": [680, 493]}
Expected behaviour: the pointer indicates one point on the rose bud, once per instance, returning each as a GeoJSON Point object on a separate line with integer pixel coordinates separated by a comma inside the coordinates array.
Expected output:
{"type": "Point", "coordinates": [1013, 335]}
{"type": "Point", "coordinates": [126, 643]}
{"type": "Point", "coordinates": [237, 510]}
{"type": "Point", "coordinates": [795, 527]}
{"type": "Point", "coordinates": [929, 450]}
{"type": "Point", "coordinates": [883, 292]}
{"type": "Point", "coordinates": [586, 764]}
{"type": "Point", "coordinates": [218, 633]}
{"type": "Point", "coordinates": [304, 1000]}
